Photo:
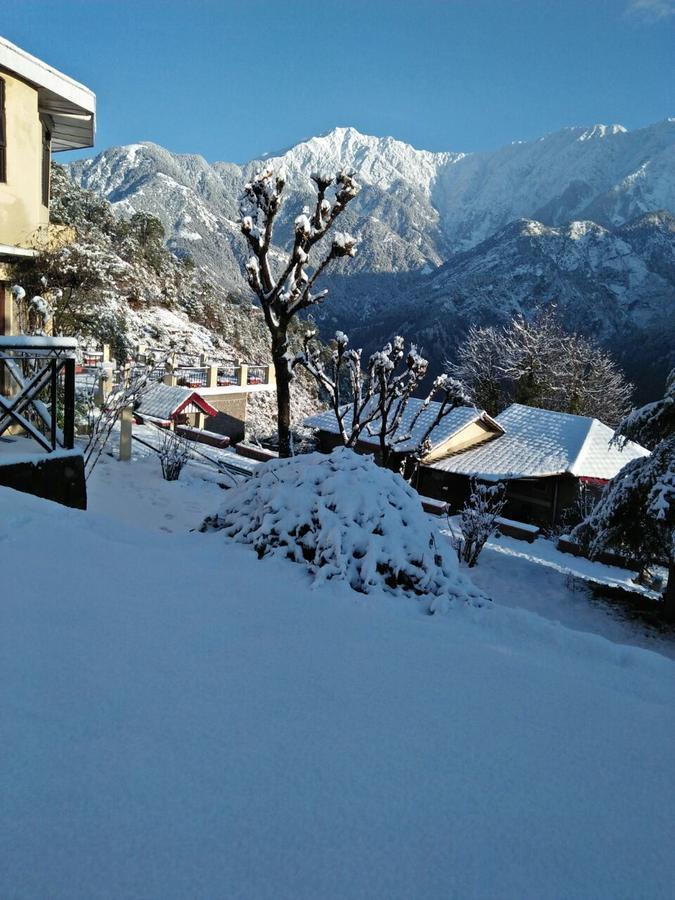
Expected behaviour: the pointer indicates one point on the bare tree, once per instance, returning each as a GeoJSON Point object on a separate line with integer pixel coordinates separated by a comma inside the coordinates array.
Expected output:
{"type": "Point", "coordinates": [173, 455]}
{"type": "Point", "coordinates": [286, 289]}
{"type": "Point", "coordinates": [374, 402]}
{"type": "Point", "coordinates": [538, 363]}
{"type": "Point", "coordinates": [102, 420]}
{"type": "Point", "coordinates": [478, 520]}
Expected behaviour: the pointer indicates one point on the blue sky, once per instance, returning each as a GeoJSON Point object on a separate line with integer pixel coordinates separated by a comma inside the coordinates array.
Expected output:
{"type": "Point", "coordinates": [232, 80]}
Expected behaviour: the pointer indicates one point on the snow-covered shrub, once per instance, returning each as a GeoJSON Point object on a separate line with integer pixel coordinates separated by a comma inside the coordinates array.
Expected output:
{"type": "Point", "coordinates": [478, 520]}
{"type": "Point", "coordinates": [173, 455]}
{"type": "Point", "coordinates": [344, 517]}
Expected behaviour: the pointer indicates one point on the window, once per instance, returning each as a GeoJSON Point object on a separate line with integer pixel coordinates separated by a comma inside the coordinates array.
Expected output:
{"type": "Point", "coordinates": [46, 160]}
{"type": "Point", "coordinates": [3, 134]}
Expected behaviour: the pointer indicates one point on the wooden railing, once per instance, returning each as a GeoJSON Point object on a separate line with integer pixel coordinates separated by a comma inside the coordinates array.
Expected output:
{"type": "Point", "coordinates": [32, 369]}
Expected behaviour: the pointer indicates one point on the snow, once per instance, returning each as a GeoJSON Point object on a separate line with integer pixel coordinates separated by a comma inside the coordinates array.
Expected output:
{"type": "Point", "coordinates": [557, 586]}
{"type": "Point", "coordinates": [32, 341]}
{"type": "Point", "coordinates": [345, 518]}
{"type": "Point", "coordinates": [183, 720]}
{"type": "Point", "coordinates": [404, 439]}
{"type": "Point", "coordinates": [15, 450]}
{"type": "Point", "coordinates": [539, 443]}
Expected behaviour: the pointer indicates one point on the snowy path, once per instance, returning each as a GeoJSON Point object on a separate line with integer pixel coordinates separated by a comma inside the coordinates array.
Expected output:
{"type": "Point", "coordinates": [541, 579]}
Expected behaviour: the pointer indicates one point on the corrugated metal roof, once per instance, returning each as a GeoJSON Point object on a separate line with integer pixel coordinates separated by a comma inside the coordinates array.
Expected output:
{"type": "Point", "coordinates": [161, 401]}
{"type": "Point", "coordinates": [71, 105]}
{"type": "Point", "coordinates": [539, 442]}
{"type": "Point", "coordinates": [449, 425]}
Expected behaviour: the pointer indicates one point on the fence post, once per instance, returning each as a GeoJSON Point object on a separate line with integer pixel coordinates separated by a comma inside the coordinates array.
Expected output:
{"type": "Point", "coordinates": [69, 403]}
{"type": "Point", "coordinates": [54, 391]}
{"type": "Point", "coordinates": [126, 425]}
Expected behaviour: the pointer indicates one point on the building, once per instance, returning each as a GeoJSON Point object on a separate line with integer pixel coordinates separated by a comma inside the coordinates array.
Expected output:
{"type": "Point", "coordinates": [464, 426]}
{"type": "Point", "coordinates": [227, 387]}
{"type": "Point", "coordinates": [545, 459]}
{"type": "Point", "coordinates": [168, 406]}
{"type": "Point", "coordinates": [42, 111]}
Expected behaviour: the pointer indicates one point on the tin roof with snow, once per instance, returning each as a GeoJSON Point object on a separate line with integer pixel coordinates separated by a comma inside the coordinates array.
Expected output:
{"type": "Point", "coordinates": [71, 105]}
{"type": "Point", "coordinates": [407, 439]}
{"type": "Point", "coordinates": [538, 442]}
{"type": "Point", "coordinates": [163, 402]}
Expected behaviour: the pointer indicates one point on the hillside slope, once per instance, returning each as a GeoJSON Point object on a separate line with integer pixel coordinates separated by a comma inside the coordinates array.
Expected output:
{"type": "Point", "coordinates": [121, 285]}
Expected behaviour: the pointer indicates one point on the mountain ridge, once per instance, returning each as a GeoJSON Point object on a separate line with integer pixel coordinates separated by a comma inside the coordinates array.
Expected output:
{"type": "Point", "coordinates": [420, 212]}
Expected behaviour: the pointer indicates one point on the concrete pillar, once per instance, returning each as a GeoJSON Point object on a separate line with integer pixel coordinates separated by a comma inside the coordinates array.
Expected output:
{"type": "Point", "coordinates": [126, 425]}
{"type": "Point", "coordinates": [7, 306]}
{"type": "Point", "coordinates": [271, 375]}
{"type": "Point", "coordinates": [212, 376]}
{"type": "Point", "coordinates": [105, 383]}
{"type": "Point", "coordinates": [170, 377]}
{"type": "Point", "coordinates": [242, 381]}
{"type": "Point", "coordinates": [200, 420]}
{"type": "Point", "coordinates": [106, 353]}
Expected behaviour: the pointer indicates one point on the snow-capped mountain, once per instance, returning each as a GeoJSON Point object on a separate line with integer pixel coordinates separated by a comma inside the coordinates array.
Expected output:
{"type": "Point", "coordinates": [579, 216]}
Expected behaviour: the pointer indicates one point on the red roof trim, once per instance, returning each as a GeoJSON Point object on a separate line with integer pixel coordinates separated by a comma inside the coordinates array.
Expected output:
{"type": "Point", "coordinates": [199, 401]}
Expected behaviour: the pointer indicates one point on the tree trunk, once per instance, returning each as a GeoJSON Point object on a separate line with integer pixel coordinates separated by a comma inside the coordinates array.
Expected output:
{"type": "Point", "coordinates": [279, 348]}
{"type": "Point", "coordinates": [669, 594]}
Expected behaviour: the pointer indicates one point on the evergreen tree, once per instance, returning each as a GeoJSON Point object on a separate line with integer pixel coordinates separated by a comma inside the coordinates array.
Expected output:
{"type": "Point", "coordinates": [636, 512]}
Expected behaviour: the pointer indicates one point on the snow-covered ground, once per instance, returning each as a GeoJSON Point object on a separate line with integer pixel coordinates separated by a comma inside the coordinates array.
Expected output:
{"type": "Point", "coordinates": [181, 720]}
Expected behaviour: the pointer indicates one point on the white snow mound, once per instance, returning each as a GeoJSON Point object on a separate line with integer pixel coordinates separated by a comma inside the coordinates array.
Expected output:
{"type": "Point", "coordinates": [344, 517]}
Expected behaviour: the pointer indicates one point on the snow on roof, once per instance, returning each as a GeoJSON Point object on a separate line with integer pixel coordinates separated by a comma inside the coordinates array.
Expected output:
{"type": "Point", "coordinates": [71, 105]}
{"type": "Point", "coordinates": [162, 401]}
{"type": "Point", "coordinates": [539, 442]}
{"type": "Point", "coordinates": [452, 423]}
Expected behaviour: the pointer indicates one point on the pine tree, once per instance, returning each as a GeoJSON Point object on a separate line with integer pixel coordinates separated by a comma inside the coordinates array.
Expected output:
{"type": "Point", "coordinates": [636, 512]}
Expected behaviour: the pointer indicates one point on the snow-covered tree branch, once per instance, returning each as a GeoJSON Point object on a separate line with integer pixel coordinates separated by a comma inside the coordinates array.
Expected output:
{"type": "Point", "coordinates": [538, 363]}
{"type": "Point", "coordinates": [636, 512]}
{"type": "Point", "coordinates": [284, 290]}
{"type": "Point", "coordinates": [375, 401]}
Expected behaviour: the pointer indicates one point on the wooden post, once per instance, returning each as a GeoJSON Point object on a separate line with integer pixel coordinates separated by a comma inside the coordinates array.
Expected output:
{"type": "Point", "coordinates": [54, 390]}
{"type": "Point", "coordinates": [243, 375]}
{"type": "Point", "coordinates": [126, 425]}
{"type": "Point", "coordinates": [69, 403]}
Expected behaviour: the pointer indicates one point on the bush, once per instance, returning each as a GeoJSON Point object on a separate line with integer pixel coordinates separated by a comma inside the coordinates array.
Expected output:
{"type": "Point", "coordinates": [173, 455]}
{"type": "Point", "coordinates": [344, 517]}
{"type": "Point", "coordinates": [478, 520]}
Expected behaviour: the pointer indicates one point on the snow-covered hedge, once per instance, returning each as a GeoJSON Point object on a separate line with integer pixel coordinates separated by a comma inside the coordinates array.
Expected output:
{"type": "Point", "coordinates": [345, 517]}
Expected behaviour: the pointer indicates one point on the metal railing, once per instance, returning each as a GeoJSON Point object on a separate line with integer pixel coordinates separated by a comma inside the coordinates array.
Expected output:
{"type": "Point", "coordinates": [37, 377]}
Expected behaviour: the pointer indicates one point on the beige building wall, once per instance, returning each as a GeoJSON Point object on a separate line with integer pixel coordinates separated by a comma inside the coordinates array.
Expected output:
{"type": "Point", "coordinates": [22, 213]}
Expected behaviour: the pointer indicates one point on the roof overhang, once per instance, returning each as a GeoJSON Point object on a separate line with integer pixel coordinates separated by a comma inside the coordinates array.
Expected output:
{"type": "Point", "coordinates": [9, 250]}
{"type": "Point", "coordinates": [70, 105]}
{"type": "Point", "coordinates": [199, 402]}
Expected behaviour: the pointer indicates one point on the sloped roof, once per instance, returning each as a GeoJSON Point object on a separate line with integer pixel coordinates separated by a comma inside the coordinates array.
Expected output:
{"type": "Point", "coordinates": [539, 442]}
{"type": "Point", "coordinates": [162, 401]}
{"type": "Point", "coordinates": [449, 426]}
{"type": "Point", "coordinates": [71, 105]}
